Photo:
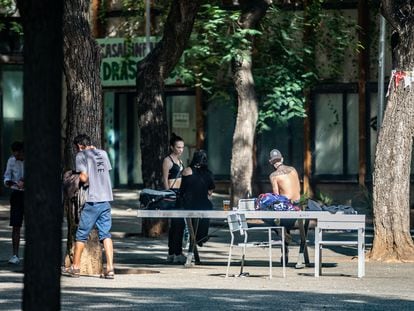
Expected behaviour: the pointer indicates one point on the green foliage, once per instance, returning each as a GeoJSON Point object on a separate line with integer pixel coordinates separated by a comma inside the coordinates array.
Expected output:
{"type": "Point", "coordinates": [338, 35]}
{"type": "Point", "coordinates": [283, 52]}
{"type": "Point", "coordinates": [279, 68]}
{"type": "Point", "coordinates": [320, 197]}
{"type": "Point", "coordinates": [216, 41]}
{"type": "Point", "coordinates": [8, 8]}
{"type": "Point", "coordinates": [135, 17]}
{"type": "Point", "coordinates": [324, 199]}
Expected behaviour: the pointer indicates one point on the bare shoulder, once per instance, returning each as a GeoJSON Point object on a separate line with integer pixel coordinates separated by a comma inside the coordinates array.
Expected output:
{"type": "Point", "coordinates": [167, 161]}
{"type": "Point", "coordinates": [187, 171]}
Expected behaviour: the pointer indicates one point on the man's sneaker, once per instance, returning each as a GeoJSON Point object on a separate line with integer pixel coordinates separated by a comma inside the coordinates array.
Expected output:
{"type": "Point", "coordinates": [14, 260]}
{"type": "Point", "coordinates": [181, 259]}
{"type": "Point", "coordinates": [170, 259]}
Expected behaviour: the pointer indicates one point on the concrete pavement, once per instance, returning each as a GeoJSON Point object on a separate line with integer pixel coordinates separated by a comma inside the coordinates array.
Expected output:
{"type": "Point", "coordinates": [144, 282]}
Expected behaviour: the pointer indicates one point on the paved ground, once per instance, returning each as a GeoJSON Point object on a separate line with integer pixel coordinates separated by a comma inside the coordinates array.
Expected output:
{"type": "Point", "coordinates": [144, 282]}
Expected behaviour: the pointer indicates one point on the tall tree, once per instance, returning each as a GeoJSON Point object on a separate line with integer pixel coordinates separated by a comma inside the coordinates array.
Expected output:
{"type": "Point", "coordinates": [391, 192]}
{"type": "Point", "coordinates": [82, 72]}
{"type": "Point", "coordinates": [83, 104]}
{"type": "Point", "coordinates": [247, 105]}
{"type": "Point", "coordinates": [280, 81]}
{"type": "Point", "coordinates": [42, 24]}
{"type": "Point", "coordinates": [151, 73]}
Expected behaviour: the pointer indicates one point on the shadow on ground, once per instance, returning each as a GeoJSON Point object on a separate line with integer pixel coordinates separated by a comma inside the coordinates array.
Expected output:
{"type": "Point", "coordinates": [210, 299]}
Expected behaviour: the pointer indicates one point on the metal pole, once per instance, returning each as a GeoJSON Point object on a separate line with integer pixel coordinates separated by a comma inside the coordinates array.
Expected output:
{"type": "Point", "coordinates": [381, 73]}
{"type": "Point", "coordinates": [147, 26]}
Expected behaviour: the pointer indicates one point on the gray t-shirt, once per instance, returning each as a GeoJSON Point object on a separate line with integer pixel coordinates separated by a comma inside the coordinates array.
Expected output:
{"type": "Point", "coordinates": [95, 163]}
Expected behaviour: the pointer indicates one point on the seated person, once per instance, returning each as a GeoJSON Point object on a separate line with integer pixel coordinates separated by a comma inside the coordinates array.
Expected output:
{"type": "Point", "coordinates": [285, 181]}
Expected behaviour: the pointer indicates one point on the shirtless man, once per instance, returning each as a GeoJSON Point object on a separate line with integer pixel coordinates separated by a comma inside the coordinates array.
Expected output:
{"type": "Point", "coordinates": [285, 181]}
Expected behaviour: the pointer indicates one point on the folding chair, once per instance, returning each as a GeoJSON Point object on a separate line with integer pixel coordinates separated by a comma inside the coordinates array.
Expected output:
{"type": "Point", "coordinates": [237, 222]}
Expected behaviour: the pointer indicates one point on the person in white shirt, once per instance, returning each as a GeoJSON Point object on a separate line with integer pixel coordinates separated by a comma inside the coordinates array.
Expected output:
{"type": "Point", "coordinates": [14, 179]}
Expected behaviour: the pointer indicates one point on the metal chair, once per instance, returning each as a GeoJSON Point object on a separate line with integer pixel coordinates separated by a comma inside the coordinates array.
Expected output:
{"type": "Point", "coordinates": [237, 223]}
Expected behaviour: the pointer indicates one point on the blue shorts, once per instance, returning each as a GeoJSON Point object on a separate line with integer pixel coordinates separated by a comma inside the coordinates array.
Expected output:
{"type": "Point", "coordinates": [94, 213]}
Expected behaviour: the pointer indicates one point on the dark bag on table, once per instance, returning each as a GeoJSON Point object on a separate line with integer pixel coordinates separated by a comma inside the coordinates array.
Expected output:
{"type": "Point", "coordinates": [155, 199]}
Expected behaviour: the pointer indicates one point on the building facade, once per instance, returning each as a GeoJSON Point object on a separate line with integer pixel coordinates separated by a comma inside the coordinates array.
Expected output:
{"type": "Point", "coordinates": [334, 115]}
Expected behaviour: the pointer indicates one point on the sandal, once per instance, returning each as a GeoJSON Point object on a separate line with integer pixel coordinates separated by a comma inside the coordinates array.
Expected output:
{"type": "Point", "coordinates": [71, 271]}
{"type": "Point", "coordinates": [108, 275]}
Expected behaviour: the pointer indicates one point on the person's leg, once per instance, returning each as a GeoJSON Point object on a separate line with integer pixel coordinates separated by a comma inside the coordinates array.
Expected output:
{"type": "Point", "coordinates": [171, 233]}
{"type": "Point", "coordinates": [109, 254]}
{"type": "Point", "coordinates": [86, 222]}
{"type": "Point", "coordinates": [104, 224]}
{"type": "Point", "coordinates": [16, 240]}
{"type": "Point", "coordinates": [177, 227]}
{"type": "Point", "coordinates": [79, 247]}
{"type": "Point", "coordinates": [16, 219]}
{"type": "Point", "coordinates": [289, 224]}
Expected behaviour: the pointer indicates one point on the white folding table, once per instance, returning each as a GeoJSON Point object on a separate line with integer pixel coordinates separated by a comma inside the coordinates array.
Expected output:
{"type": "Point", "coordinates": [334, 221]}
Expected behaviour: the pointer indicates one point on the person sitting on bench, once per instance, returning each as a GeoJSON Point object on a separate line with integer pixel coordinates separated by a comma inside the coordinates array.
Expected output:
{"type": "Point", "coordinates": [285, 181]}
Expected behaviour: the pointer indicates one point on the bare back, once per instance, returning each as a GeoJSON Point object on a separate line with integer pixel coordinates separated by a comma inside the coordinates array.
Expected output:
{"type": "Point", "coordinates": [285, 181]}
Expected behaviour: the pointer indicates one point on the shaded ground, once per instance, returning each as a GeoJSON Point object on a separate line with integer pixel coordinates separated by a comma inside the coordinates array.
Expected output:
{"type": "Point", "coordinates": [145, 282]}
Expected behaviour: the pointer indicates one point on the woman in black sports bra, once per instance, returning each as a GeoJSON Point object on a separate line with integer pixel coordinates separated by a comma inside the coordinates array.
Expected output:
{"type": "Point", "coordinates": [172, 165]}
{"type": "Point", "coordinates": [172, 168]}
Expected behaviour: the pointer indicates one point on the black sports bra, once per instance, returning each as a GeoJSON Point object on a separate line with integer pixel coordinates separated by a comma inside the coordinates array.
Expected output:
{"type": "Point", "coordinates": [175, 170]}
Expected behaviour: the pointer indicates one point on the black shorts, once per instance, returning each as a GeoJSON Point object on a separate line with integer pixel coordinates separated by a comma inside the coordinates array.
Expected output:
{"type": "Point", "coordinates": [16, 208]}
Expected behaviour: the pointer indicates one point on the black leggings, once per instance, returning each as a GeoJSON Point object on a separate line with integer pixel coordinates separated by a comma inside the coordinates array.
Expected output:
{"type": "Point", "coordinates": [175, 236]}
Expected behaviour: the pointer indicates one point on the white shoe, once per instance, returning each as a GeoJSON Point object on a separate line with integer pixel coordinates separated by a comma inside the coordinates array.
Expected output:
{"type": "Point", "coordinates": [180, 259]}
{"type": "Point", "coordinates": [189, 261]}
{"type": "Point", "coordinates": [14, 260]}
{"type": "Point", "coordinates": [170, 259]}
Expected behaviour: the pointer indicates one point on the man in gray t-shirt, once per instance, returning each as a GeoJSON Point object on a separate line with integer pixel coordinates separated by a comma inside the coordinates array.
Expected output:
{"type": "Point", "coordinates": [93, 167]}
{"type": "Point", "coordinates": [96, 164]}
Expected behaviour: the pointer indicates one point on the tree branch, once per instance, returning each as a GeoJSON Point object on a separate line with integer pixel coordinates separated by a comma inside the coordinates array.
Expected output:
{"type": "Point", "coordinates": [252, 12]}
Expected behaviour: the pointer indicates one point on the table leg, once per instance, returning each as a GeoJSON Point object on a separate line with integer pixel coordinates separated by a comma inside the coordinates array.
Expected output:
{"type": "Point", "coordinates": [361, 252]}
{"type": "Point", "coordinates": [192, 249]}
{"type": "Point", "coordinates": [303, 257]}
{"type": "Point", "coordinates": [318, 251]}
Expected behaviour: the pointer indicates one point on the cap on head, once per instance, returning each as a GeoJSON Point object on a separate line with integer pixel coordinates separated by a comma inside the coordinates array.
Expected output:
{"type": "Point", "coordinates": [275, 156]}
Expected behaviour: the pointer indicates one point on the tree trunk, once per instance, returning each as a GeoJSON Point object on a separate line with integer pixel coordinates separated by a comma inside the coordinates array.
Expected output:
{"type": "Point", "coordinates": [42, 21]}
{"type": "Point", "coordinates": [363, 77]}
{"type": "Point", "coordinates": [84, 104]}
{"type": "Point", "coordinates": [247, 113]}
{"type": "Point", "coordinates": [309, 41]}
{"type": "Point", "coordinates": [151, 73]}
{"type": "Point", "coordinates": [391, 192]}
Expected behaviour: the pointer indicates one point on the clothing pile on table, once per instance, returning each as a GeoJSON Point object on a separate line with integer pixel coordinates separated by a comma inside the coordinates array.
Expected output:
{"type": "Point", "coordinates": [333, 209]}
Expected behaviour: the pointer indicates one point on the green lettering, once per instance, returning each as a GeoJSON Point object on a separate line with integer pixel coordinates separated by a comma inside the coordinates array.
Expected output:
{"type": "Point", "coordinates": [106, 71]}
{"type": "Point", "coordinates": [115, 71]}
{"type": "Point", "coordinates": [124, 71]}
